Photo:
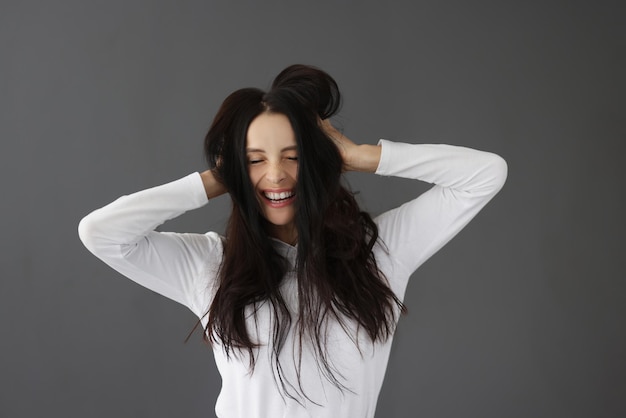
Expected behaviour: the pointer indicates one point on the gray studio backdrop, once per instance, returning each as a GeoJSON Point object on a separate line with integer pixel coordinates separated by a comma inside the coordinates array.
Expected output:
{"type": "Point", "coordinates": [522, 315]}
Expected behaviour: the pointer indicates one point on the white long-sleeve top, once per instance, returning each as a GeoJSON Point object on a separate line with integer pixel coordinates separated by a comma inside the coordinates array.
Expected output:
{"type": "Point", "coordinates": [183, 267]}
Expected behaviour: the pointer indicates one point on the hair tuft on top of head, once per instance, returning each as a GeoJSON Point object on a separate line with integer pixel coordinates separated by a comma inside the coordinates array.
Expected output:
{"type": "Point", "coordinates": [315, 88]}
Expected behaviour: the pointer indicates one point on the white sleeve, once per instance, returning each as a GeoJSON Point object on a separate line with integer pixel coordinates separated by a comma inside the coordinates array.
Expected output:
{"type": "Point", "coordinates": [178, 266]}
{"type": "Point", "coordinates": [464, 181]}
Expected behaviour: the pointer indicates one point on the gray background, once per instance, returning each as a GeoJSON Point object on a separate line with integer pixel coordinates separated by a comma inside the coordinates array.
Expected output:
{"type": "Point", "coordinates": [522, 315]}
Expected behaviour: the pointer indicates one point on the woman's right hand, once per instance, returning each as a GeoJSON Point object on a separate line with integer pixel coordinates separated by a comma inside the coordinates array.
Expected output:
{"type": "Point", "coordinates": [356, 157]}
{"type": "Point", "coordinates": [212, 186]}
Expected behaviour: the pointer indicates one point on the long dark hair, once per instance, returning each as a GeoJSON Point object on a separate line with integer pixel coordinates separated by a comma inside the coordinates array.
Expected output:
{"type": "Point", "coordinates": [337, 275]}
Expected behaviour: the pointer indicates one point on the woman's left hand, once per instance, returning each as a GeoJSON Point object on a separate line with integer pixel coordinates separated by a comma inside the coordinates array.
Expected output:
{"type": "Point", "coordinates": [355, 157]}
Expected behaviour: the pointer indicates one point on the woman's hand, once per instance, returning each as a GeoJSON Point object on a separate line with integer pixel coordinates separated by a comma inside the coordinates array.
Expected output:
{"type": "Point", "coordinates": [212, 187]}
{"type": "Point", "coordinates": [355, 157]}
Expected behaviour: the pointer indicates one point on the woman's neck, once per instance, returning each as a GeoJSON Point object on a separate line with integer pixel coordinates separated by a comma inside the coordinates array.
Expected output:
{"type": "Point", "coordinates": [285, 233]}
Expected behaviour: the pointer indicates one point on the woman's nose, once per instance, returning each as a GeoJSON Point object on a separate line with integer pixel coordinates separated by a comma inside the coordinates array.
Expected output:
{"type": "Point", "coordinates": [275, 173]}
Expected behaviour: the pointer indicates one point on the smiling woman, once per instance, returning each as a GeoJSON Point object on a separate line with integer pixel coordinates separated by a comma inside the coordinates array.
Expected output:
{"type": "Point", "coordinates": [285, 182]}
{"type": "Point", "coordinates": [273, 167]}
{"type": "Point", "coordinates": [300, 298]}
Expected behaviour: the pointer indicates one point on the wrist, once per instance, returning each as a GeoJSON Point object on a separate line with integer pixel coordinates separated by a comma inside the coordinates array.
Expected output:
{"type": "Point", "coordinates": [212, 187]}
{"type": "Point", "coordinates": [365, 158]}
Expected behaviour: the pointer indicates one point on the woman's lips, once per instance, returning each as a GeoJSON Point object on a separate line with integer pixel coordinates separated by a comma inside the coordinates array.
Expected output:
{"type": "Point", "coordinates": [278, 198]}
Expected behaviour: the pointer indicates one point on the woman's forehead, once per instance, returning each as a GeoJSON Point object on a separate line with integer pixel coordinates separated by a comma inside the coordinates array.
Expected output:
{"type": "Point", "coordinates": [270, 132]}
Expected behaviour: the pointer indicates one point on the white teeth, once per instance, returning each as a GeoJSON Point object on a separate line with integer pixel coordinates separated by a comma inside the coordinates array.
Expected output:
{"type": "Point", "coordinates": [278, 196]}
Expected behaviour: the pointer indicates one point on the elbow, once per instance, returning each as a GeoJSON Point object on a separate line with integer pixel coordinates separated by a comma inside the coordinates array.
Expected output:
{"type": "Point", "coordinates": [87, 232]}
{"type": "Point", "coordinates": [493, 174]}
{"type": "Point", "coordinates": [94, 231]}
{"type": "Point", "coordinates": [500, 170]}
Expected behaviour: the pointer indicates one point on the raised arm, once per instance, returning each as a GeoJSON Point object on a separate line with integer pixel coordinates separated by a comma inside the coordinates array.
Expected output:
{"type": "Point", "coordinates": [464, 181]}
{"type": "Point", "coordinates": [178, 266]}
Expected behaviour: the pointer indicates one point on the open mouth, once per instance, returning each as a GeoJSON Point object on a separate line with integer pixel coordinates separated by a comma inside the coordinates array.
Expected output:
{"type": "Point", "coordinates": [279, 197]}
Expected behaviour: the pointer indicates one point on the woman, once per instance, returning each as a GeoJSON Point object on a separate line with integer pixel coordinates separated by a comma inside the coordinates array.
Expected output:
{"type": "Point", "coordinates": [300, 298]}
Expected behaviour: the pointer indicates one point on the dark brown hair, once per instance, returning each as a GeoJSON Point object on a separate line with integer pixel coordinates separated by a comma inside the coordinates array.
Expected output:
{"type": "Point", "coordinates": [337, 275]}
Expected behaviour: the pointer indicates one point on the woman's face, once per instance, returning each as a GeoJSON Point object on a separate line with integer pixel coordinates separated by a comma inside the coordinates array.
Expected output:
{"type": "Point", "coordinates": [273, 167]}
